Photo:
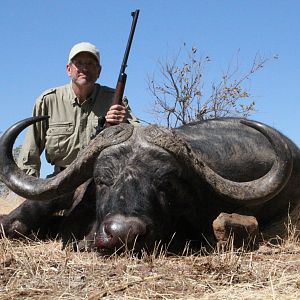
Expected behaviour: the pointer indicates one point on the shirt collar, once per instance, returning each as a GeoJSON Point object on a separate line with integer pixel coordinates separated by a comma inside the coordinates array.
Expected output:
{"type": "Point", "coordinates": [89, 101]}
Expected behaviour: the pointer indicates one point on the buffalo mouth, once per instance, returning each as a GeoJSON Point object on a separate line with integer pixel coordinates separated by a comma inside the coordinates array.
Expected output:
{"type": "Point", "coordinates": [119, 233]}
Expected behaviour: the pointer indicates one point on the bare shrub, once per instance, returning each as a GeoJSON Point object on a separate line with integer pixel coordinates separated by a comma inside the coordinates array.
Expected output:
{"type": "Point", "coordinates": [181, 94]}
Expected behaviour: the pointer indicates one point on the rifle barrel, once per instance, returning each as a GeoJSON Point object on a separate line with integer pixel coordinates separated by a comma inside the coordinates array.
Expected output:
{"type": "Point", "coordinates": [118, 96]}
{"type": "Point", "coordinates": [135, 15]}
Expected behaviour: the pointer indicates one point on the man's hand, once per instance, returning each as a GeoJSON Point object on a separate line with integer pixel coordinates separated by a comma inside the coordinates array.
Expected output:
{"type": "Point", "coordinates": [116, 114]}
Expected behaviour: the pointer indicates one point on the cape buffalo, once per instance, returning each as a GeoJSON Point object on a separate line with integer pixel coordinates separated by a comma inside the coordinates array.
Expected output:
{"type": "Point", "coordinates": [137, 187]}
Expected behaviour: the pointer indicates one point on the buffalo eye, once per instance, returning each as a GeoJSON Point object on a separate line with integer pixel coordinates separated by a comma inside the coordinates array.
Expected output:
{"type": "Point", "coordinates": [101, 180]}
{"type": "Point", "coordinates": [163, 200]}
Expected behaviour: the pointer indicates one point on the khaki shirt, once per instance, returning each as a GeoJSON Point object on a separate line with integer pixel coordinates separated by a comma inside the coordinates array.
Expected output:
{"type": "Point", "coordinates": [69, 128]}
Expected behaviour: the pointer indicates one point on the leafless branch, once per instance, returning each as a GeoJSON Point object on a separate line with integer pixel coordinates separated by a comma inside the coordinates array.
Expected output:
{"type": "Point", "coordinates": [179, 95]}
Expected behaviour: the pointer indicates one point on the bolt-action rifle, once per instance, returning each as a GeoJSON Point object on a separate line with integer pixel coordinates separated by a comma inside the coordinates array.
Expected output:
{"type": "Point", "coordinates": [118, 96]}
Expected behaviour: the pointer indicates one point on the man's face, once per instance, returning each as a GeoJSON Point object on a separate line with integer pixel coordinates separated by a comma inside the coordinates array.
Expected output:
{"type": "Point", "coordinates": [84, 69]}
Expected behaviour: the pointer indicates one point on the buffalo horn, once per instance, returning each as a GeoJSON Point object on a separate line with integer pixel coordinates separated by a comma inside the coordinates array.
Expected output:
{"type": "Point", "coordinates": [249, 193]}
{"type": "Point", "coordinates": [66, 181]}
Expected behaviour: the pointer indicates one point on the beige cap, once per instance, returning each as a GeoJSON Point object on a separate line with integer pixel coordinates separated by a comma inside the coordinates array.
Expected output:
{"type": "Point", "coordinates": [84, 47]}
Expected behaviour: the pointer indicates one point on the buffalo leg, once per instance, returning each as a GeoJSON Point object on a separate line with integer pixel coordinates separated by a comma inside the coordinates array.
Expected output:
{"type": "Point", "coordinates": [35, 217]}
{"type": "Point", "coordinates": [78, 227]}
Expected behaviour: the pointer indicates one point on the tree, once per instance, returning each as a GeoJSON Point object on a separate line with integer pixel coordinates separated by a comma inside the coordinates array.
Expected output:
{"type": "Point", "coordinates": [180, 97]}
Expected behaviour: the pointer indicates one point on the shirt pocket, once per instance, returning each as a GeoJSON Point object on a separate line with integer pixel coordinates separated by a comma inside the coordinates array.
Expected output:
{"type": "Point", "coordinates": [59, 140]}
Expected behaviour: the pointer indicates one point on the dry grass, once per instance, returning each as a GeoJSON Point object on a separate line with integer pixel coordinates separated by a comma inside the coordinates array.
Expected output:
{"type": "Point", "coordinates": [41, 270]}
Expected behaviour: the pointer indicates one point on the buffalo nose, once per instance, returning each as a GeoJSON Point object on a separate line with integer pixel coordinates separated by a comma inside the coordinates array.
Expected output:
{"type": "Point", "coordinates": [118, 231]}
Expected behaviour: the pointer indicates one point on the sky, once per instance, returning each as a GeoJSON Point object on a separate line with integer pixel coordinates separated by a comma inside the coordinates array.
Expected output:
{"type": "Point", "coordinates": [36, 37]}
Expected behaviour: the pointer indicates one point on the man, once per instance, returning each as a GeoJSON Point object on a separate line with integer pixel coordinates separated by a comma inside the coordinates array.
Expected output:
{"type": "Point", "coordinates": [74, 110]}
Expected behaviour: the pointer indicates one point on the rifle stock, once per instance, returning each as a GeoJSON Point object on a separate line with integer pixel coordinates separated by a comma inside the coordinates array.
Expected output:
{"type": "Point", "coordinates": [120, 87]}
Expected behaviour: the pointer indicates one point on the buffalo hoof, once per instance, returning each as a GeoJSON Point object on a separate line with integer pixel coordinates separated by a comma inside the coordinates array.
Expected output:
{"type": "Point", "coordinates": [240, 230]}
{"type": "Point", "coordinates": [16, 228]}
{"type": "Point", "coordinates": [12, 228]}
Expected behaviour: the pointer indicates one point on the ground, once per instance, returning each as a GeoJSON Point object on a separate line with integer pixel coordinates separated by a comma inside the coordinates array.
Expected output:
{"type": "Point", "coordinates": [10, 202]}
{"type": "Point", "coordinates": [42, 270]}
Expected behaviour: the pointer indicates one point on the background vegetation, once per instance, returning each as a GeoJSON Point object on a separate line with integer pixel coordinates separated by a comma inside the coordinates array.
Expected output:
{"type": "Point", "coordinates": [183, 93]}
